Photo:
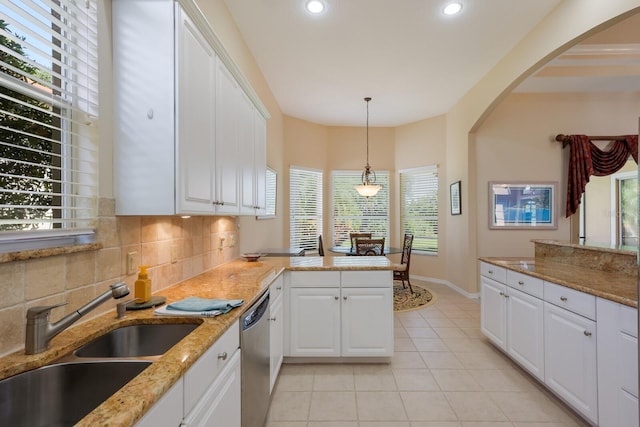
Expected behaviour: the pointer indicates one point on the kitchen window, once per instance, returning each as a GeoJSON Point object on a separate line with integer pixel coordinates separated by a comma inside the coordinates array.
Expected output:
{"type": "Point", "coordinates": [305, 203]}
{"type": "Point", "coordinates": [419, 207]}
{"type": "Point", "coordinates": [48, 122]}
{"type": "Point", "coordinates": [353, 213]}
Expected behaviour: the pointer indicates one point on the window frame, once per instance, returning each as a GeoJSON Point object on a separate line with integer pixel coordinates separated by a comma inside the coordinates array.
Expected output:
{"type": "Point", "coordinates": [384, 179]}
{"type": "Point", "coordinates": [403, 222]}
{"type": "Point", "coordinates": [311, 244]}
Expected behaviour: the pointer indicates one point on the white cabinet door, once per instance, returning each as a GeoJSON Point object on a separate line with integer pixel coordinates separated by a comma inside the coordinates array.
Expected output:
{"type": "Point", "coordinates": [167, 411]}
{"type": "Point", "coordinates": [196, 127]}
{"type": "Point", "coordinates": [570, 359]}
{"type": "Point", "coordinates": [276, 335]}
{"type": "Point", "coordinates": [493, 311]}
{"type": "Point", "coordinates": [314, 328]}
{"type": "Point", "coordinates": [260, 156]}
{"type": "Point", "coordinates": [226, 152]}
{"type": "Point", "coordinates": [246, 159]}
{"type": "Point", "coordinates": [220, 404]}
{"type": "Point", "coordinates": [525, 331]}
{"type": "Point", "coordinates": [367, 322]}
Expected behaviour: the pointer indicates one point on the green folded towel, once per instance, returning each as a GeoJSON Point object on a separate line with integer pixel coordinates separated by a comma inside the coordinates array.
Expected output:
{"type": "Point", "coordinates": [203, 304]}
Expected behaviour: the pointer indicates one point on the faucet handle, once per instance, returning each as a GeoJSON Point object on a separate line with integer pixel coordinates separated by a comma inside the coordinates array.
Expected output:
{"type": "Point", "coordinates": [41, 311]}
{"type": "Point", "coordinates": [121, 307]}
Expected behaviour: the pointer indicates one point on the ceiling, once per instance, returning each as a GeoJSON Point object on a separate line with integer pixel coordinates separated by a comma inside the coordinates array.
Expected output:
{"type": "Point", "coordinates": [412, 60]}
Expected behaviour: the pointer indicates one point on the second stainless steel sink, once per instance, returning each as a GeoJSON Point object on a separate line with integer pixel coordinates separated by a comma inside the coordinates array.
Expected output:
{"type": "Point", "coordinates": [136, 340]}
{"type": "Point", "coordinates": [62, 394]}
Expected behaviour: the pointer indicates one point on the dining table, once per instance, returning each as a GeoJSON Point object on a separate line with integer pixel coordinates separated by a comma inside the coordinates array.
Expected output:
{"type": "Point", "coordinates": [346, 250]}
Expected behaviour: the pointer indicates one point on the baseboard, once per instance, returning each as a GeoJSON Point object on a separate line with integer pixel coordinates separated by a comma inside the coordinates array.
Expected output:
{"type": "Point", "coordinates": [462, 292]}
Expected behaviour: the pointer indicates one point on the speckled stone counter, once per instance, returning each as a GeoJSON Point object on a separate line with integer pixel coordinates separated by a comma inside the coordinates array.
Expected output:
{"type": "Point", "coordinates": [235, 280]}
{"type": "Point", "coordinates": [614, 286]}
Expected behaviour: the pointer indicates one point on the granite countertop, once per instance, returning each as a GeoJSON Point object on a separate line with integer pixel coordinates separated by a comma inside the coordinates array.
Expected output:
{"type": "Point", "coordinates": [621, 288]}
{"type": "Point", "coordinates": [235, 280]}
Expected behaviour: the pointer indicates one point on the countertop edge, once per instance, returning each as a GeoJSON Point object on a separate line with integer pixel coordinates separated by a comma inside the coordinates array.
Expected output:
{"type": "Point", "coordinates": [511, 263]}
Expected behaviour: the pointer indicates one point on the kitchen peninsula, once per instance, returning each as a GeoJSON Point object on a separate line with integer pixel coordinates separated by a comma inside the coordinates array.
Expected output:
{"type": "Point", "coordinates": [568, 316]}
{"type": "Point", "coordinates": [235, 280]}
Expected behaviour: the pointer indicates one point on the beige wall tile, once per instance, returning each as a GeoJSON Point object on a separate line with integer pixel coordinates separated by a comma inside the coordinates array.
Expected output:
{"type": "Point", "coordinates": [130, 230]}
{"type": "Point", "coordinates": [149, 254]}
{"type": "Point", "coordinates": [107, 232]}
{"type": "Point", "coordinates": [12, 328]}
{"type": "Point", "coordinates": [165, 228]}
{"type": "Point", "coordinates": [80, 269]}
{"type": "Point", "coordinates": [45, 276]}
{"type": "Point", "coordinates": [106, 207]}
{"type": "Point", "coordinates": [149, 229]}
{"type": "Point", "coordinates": [109, 264]}
{"type": "Point", "coordinates": [11, 284]}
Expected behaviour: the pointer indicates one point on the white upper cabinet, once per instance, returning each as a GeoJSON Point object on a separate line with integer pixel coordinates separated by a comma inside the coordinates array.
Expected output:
{"type": "Point", "coordinates": [182, 116]}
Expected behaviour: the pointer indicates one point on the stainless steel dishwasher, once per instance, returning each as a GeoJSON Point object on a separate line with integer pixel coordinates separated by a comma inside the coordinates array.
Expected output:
{"type": "Point", "coordinates": [254, 343]}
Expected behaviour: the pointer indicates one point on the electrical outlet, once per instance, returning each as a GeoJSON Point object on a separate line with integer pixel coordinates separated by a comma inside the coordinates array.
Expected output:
{"type": "Point", "coordinates": [232, 240]}
{"type": "Point", "coordinates": [132, 262]}
{"type": "Point", "coordinates": [221, 244]}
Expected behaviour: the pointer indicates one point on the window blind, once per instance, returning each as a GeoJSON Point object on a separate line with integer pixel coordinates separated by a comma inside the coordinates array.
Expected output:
{"type": "Point", "coordinates": [352, 213]}
{"type": "Point", "coordinates": [419, 206]}
{"type": "Point", "coordinates": [271, 182]}
{"type": "Point", "coordinates": [305, 202]}
{"type": "Point", "coordinates": [48, 118]}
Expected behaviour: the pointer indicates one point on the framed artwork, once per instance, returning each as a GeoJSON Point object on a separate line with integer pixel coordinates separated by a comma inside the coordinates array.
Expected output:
{"type": "Point", "coordinates": [454, 193]}
{"type": "Point", "coordinates": [522, 205]}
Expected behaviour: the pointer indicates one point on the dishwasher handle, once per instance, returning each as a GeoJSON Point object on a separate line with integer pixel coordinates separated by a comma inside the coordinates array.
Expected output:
{"type": "Point", "coordinates": [256, 312]}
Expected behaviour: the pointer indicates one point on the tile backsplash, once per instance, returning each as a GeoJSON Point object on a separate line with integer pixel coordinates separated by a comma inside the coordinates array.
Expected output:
{"type": "Point", "coordinates": [174, 248]}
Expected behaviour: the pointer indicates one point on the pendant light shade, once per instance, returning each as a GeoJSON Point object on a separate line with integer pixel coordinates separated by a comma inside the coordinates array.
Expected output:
{"type": "Point", "coordinates": [368, 188]}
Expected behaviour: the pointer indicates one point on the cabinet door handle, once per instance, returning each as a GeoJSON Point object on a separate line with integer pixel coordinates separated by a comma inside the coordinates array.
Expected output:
{"type": "Point", "coordinates": [336, 298]}
{"type": "Point", "coordinates": [278, 287]}
{"type": "Point", "coordinates": [222, 356]}
{"type": "Point", "coordinates": [587, 333]}
{"type": "Point", "coordinates": [490, 272]}
{"type": "Point", "coordinates": [344, 297]}
{"type": "Point", "coordinates": [563, 299]}
{"type": "Point", "coordinates": [506, 296]}
{"type": "Point", "coordinates": [272, 318]}
{"type": "Point", "coordinates": [520, 282]}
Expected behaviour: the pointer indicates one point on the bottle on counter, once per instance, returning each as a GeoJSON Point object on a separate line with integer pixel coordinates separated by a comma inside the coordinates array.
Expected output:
{"type": "Point", "coordinates": [143, 286]}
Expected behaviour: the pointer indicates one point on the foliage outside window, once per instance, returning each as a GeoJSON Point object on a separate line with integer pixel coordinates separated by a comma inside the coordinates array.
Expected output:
{"type": "Point", "coordinates": [352, 213]}
{"type": "Point", "coordinates": [419, 207]}
{"type": "Point", "coordinates": [48, 118]}
{"type": "Point", "coordinates": [305, 203]}
{"type": "Point", "coordinates": [628, 210]}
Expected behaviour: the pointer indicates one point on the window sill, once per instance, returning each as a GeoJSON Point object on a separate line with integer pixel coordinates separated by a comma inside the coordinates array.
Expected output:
{"type": "Point", "coordinates": [47, 252]}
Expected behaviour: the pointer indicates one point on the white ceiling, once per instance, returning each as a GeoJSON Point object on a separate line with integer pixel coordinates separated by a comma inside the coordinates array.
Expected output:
{"type": "Point", "coordinates": [413, 61]}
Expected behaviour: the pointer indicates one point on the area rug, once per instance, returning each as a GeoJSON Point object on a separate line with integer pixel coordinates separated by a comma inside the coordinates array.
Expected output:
{"type": "Point", "coordinates": [404, 300]}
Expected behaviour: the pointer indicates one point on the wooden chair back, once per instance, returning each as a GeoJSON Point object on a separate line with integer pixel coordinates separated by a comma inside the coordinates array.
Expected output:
{"type": "Point", "coordinates": [354, 236]}
{"type": "Point", "coordinates": [371, 247]}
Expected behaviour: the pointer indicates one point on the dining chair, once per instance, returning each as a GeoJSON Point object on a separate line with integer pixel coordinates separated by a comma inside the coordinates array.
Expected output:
{"type": "Point", "coordinates": [401, 271]}
{"type": "Point", "coordinates": [320, 246]}
{"type": "Point", "coordinates": [354, 236]}
{"type": "Point", "coordinates": [372, 247]}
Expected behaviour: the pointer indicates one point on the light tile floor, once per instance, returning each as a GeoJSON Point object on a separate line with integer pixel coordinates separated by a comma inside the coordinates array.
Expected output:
{"type": "Point", "coordinates": [443, 373]}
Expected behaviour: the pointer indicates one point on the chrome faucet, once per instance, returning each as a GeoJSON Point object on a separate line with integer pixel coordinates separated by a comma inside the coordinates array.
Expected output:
{"type": "Point", "coordinates": [40, 331]}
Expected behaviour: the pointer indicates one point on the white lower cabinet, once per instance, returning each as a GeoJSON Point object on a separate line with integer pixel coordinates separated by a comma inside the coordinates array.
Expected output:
{"type": "Point", "coordinates": [276, 328]}
{"type": "Point", "coordinates": [513, 321]}
{"type": "Point", "coordinates": [167, 411]}
{"type": "Point", "coordinates": [617, 364]}
{"type": "Point", "coordinates": [334, 314]}
{"type": "Point", "coordinates": [220, 404]}
{"type": "Point", "coordinates": [570, 359]}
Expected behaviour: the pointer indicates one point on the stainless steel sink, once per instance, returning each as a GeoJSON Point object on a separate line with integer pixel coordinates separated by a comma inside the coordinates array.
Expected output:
{"type": "Point", "coordinates": [62, 394]}
{"type": "Point", "coordinates": [136, 340]}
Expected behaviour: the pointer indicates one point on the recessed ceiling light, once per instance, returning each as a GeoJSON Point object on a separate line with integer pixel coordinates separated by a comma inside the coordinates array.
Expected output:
{"type": "Point", "coordinates": [315, 6]}
{"type": "Point", "coordinates": [452, 8]}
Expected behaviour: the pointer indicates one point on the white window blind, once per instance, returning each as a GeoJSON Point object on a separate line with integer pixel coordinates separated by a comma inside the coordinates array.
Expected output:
{"type": "Point", "coordinates": [353, 213]}
{"type": "Point", "coordinates": [419, 206]}
{"type": "Point", "coordinates": [305, 202]}
{"type": "Point", "coordinates": [48, 118]}
{"type": "Point", "coordinates": [271, 184]}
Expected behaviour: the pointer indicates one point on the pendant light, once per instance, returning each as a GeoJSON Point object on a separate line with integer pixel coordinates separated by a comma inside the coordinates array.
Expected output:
{"type": "Point", "coordinates": [368, 188]}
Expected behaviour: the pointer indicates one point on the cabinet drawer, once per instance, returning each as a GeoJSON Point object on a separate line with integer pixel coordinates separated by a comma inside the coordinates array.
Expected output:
{"type": "Point", "coordinates": [314, 279]}
{"type": "Point", "coordinates": [367, 279]}
{"type": "Point", "coordinates": [629, 320]}
{"type": "Point", "coordinates": [527, 284]}
{"type": "Point", "coordinates": [570, 299]}
{"type": "Point", "coordinates": [496, 273]}
{"type": "Point", "coordinates": [200, 376]}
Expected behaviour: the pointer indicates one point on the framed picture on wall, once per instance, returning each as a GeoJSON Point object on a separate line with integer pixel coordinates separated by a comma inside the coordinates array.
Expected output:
{"type": "Point", "coordinates": [454, 194]}
{"type": "Point", "coordinates": [522, 205]}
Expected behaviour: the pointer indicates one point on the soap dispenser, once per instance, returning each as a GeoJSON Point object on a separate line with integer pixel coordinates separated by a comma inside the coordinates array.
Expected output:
{"type": "Point", "coordinates": [143, 286]}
